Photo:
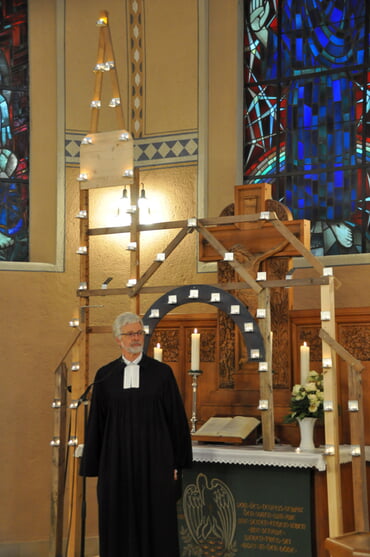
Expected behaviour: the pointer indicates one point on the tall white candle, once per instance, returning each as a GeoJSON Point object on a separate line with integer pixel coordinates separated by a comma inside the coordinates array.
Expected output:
{"type": "Point", "coordinates": [158, 352]}
{"type": "Point", "coordinates": [195, 350]}
{"type": "Point", "coordinates": [305, 362]}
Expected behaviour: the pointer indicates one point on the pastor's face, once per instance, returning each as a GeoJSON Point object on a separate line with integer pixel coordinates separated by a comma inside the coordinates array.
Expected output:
{"type": "Point", "coordinates": [131, 340]}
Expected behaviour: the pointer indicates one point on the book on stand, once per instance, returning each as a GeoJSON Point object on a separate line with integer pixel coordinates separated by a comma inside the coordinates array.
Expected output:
{"type": "Point", "coordinates": [226, 430]}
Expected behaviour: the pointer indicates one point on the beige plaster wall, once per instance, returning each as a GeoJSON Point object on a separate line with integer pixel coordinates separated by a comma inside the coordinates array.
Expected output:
{"type": "Point", "coordinates": [225, 104]}
{"type": "Point", "coordinates": [171, 51]}
{"type": "Point", "coordinates": [43, 99]}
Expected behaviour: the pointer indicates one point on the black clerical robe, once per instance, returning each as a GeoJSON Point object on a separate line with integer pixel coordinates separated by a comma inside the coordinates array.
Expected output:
{"type": "Point", "coordinates": [135, 439]}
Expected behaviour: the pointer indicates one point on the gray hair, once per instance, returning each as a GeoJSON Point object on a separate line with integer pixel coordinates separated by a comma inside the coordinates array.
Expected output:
{"type": "Point", "coordinates": [124, 319]}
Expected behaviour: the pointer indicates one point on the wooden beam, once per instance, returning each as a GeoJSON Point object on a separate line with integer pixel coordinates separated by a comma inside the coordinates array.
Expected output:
{"type": "Point", "coordinates": [300, 247]}
{"type": "Point", "coordinates": [98, 78]}
{"type": "Point", "coordinates": [235, 219]}
{"type": "Point", "coordinates": [341, 351]}
{"type": "Point", "coordinates": [114, 77]}
{"type": "Point", "coordinates": [331, 418]}
{"type": "Point", "coordinates": [260, 237]}
{"type": "Point", "coordinates": [234, 264]}
{"type": "Point", "coordinates": [176, 224]}
{"type": "Point", "coordinates": [225, 286]}
{"type": "Point", "coordinates": [141, 227]}
{"type": "Point", "coordinates": [156, 264]}
{"type": "Point", "coordinates": [58, 463]}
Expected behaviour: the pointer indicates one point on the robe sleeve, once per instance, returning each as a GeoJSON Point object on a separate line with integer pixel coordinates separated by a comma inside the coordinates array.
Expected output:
{"type": "Point", "coordinates": [94, 434]}
{"type": "Point", "coordinates": [177, 423]}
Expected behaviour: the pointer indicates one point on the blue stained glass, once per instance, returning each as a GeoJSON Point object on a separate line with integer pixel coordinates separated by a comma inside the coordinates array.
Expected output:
{"type": "Point", "coordinates": [299, 49]}
{"type": "Point", "coordinates": [14, 131]}
{"type": "Point", "coordinates": [336, 41]}
{"type": "Point", "coordinates": [347, 140]}
{"type": "Point", "coordinates": [360, 56]}
{"type": "Point", "coordinates": [322, 37]}
{"type": "Point", "coordinates": [339, 178]}
{"type": "Point", "coordinates": [336, 90]}
{"type": "Point", "coordinates": [321, 126]}
{"type": "Point", "coordinates": [300, 150]}
{"type": "Point", "coordinates": [307, 115]}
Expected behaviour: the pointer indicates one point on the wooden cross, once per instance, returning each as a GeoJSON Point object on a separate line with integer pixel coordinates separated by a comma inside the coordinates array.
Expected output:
{"type": "Point", "coordinates": [256, 243]}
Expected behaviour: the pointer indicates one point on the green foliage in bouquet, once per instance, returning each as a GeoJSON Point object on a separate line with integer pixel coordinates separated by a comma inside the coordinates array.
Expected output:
{"type": "Point", "coordinates": [307, 400]}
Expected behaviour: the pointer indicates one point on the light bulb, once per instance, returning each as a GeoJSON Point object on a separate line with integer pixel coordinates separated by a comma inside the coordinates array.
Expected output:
{"type": "Point", "coordinates": [143, 203]}
{"type": "Point", "coordinates": [124, 205]}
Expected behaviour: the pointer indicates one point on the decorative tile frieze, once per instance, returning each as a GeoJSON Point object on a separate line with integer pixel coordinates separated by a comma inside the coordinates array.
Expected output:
{"type": "Point", "coordinates": [149, 152]}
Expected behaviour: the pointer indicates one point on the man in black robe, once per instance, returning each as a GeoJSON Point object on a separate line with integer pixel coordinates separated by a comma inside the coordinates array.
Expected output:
{"type": "Point", "coordinates": [137, 442]}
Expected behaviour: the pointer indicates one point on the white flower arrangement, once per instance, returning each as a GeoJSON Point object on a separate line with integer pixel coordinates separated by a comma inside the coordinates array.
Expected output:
{"type": "Point", "coordinates": [307, 400]}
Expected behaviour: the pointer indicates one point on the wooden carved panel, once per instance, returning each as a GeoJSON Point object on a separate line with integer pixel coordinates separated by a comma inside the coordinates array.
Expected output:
{"type": "Point", "coordinates": [169, 341]}
{"type": "Point", "coordinates": [227, 333]}
{"type": "Point", "coordinates": [207, 345]}
{"type": "Point", "coordinates": [277, 268]}
{"type": "Point", "coordinates": [356, 339]}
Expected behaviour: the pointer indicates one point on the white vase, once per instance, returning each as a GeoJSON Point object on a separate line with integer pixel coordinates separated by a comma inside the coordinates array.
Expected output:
{"type": "Point", "coordinates": [306, 428]}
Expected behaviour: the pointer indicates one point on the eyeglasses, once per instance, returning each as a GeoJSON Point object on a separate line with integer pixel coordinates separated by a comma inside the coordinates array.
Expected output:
{"type": "Point", "coordinates": [133, 334]}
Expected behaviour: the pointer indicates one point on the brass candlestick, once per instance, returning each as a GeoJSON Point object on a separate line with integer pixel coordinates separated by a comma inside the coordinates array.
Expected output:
{"type": "Point", "coordinates": [194, 374]}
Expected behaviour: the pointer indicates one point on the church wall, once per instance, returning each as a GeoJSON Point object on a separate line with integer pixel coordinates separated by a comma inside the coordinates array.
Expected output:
{"type": "Point", "coordinates": [37, 306]}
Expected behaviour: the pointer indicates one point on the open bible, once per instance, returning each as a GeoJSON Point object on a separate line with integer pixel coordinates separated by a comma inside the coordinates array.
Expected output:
{"type": "Point", "coordinates": [226, 430]}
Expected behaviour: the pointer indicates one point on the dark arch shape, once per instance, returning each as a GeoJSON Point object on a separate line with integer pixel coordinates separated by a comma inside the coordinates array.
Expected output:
{"type": "Point", "coordinates": [223, 300]}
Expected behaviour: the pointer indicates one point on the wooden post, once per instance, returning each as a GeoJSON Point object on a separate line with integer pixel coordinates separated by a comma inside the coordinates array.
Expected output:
{"type": "Point", "coordinates": [356, 409]}
{"type": "Point", "coordinates": [135, 240]}
{"type": "Point", "coordinates": [331, 418]}
{"type": "Point", "coordinates": [80, 351]}
{"type": "Point", "coordinates": [79, 381]}
{"type": "Point", "coordinates": [356, 419]}
{"type": "Point", "coordinates": [266, 386]}
{"type": "Point", "coordinates": [58, 463]}
{"type": "Point", "coordinates": [105, 56]}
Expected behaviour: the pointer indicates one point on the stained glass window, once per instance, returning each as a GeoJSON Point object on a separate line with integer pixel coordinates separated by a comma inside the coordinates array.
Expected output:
{"type": "Point", "coordinates": [306, 110]}
{"type": "Point", "coordinates": [14, 131]}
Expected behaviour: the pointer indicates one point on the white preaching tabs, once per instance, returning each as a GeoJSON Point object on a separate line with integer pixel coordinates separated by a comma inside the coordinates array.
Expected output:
{"type": "Point", "coordinates": [131, 376]}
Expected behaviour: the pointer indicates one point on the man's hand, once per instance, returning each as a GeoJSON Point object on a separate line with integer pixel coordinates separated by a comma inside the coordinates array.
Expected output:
{"type": "Point", "coordinates": [258, 14]}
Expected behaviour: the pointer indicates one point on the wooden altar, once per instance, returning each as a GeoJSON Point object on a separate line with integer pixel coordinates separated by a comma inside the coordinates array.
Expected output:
{"type": "Point", "coordinates": [276, 500]}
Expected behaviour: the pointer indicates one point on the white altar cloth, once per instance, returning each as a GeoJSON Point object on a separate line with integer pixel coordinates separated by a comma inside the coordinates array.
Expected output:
{"type": "Point", "coordinates": [285, 456]}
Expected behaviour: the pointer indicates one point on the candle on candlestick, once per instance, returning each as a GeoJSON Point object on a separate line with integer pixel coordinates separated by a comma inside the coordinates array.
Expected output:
{"type": "Point", "coordinates": [195, 350]}
{"type": "Point", "coordinates": [305, 362]}
{"type": "Point", "coordinates": [158, 352]}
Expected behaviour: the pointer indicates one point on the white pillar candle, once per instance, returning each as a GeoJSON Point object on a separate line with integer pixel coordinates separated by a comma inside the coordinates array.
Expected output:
{"type": "Point", "coordinates": [158, 352]}
{"type": "Point", "coordinates": [305, 362]}
{"type": "Point", "coordinates": [195, 350]}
